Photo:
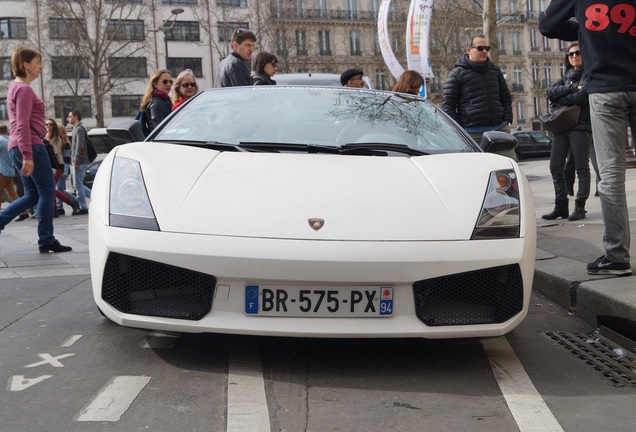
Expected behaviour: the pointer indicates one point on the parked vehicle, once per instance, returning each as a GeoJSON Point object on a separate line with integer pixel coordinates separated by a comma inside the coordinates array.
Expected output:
{"type": "Point", "coordinates": [320, 79]}
{"type": "Point", "coordinates": [312, 212]}
{"type": "Point", "coordinates": [532, 144]}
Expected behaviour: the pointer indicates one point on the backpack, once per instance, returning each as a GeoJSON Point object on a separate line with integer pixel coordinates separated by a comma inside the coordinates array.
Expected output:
{"type": "Point", "coordinates": [90, 148]}
{"type": "Point", "coordinates": [142, 118]}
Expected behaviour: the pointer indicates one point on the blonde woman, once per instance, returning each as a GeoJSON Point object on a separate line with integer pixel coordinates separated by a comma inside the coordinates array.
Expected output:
{"type": "Point", "coordinates": [184, 88]}
{"type": "Point", "coordinates": [156, 101]}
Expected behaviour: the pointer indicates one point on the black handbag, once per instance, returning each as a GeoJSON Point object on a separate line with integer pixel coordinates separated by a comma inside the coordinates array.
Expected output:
{"type": "Point", "coordinates": [561, 117]}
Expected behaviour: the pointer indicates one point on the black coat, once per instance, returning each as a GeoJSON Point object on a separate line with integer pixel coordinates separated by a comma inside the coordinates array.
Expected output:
{"type": "Point", "coordinates": [157, 110]}
{"type": "Point", "coordinates": [477, 95]}
{"type": "Point", "coordinates": [569, 90]}
{"type": "Point", "coordinates": [262, 79]}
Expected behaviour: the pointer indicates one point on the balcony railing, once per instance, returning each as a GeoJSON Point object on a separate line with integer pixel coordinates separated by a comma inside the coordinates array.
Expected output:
{"type": "Point", "coordinates": [333, 14]}
{"type": "Point", "coordinates": [516, 88]}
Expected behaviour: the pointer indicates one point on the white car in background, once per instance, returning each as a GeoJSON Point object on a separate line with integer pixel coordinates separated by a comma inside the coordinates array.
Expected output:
{"type": "Point", "coordinates": [312, 212]}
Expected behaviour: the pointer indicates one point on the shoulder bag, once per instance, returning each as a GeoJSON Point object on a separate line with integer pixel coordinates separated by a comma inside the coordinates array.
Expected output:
{"type": "Point", "coordinates": [561, 117]}
{"type": "Point", "coordinates": [55, 164]}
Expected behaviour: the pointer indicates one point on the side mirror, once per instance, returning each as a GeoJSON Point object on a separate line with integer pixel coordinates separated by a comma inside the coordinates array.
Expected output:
{"type": "Point", "coordinates": [126, 130]}
{"type": "Point", "coordinates": [496, 142]}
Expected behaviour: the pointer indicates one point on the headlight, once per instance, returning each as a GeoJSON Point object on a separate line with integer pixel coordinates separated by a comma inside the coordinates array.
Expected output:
{"type": "Point", "coordinates": [129, 203]}
{"type": "Point", "coordinates": [499, 216]}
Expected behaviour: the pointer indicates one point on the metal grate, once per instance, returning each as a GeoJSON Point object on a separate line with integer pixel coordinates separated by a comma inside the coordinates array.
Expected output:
{"type": "Point", "coordinates": [611, 363]}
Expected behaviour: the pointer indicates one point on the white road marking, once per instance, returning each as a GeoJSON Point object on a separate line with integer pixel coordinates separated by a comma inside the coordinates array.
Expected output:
{"type": "Point", "coordinates": [115, 399]}
{"type": "Point", "coordinates": [70, 341]}
{"type": "Point", "coordinates": [49, 359]}
{"type": "Point", "coordinates": [19, 383]}
{"type": "Point", "coordinates": [246, 401]}
{"type": "Point", "coordinates": [524, 401]}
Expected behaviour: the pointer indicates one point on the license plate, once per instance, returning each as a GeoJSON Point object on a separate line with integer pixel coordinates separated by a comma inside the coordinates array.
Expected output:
{"type": "Point", "coordinates": [309, 301]}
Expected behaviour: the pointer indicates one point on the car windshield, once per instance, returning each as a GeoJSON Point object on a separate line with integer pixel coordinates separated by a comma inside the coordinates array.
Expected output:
{"type": "Point", "coordinates": [297, 119]}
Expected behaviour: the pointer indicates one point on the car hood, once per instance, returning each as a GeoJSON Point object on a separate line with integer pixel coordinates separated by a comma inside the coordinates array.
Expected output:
{"type": "Point", "coordinates": [359, 198]}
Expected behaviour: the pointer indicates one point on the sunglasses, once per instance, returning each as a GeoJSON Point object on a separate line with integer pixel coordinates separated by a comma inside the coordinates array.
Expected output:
{"type": "Point", "coordinates": [166, 81]}
{"type": "Point", "coordinates": [574, 53]}
{"type": "Point", "coordinates": [237, 32]}
{"type": "Point", "coordinates": [480, 48]}
{"type": "Point", "coordinates": [188, 85]}
{"type": "Point", "coordinates": [49, 124]}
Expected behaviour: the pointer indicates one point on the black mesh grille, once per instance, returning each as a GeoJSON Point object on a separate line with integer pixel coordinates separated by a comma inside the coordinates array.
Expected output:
{"type": "Point", "coordinates": [141, 287]}
{"type": "Point", "coordinates": [478, 297]}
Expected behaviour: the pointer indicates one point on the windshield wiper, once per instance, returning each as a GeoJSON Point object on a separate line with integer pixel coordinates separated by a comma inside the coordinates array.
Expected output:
{"type": "Point", "coordinates": [211, 144]}
{"type": "Point", "coordinates": [289, 147]}
{"type": "Point", "coordinates": [379, 148]}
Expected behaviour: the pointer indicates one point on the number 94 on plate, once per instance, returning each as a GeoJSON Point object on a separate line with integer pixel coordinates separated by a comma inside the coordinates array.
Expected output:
{"type": "Point", "coordinates": [316, 301]}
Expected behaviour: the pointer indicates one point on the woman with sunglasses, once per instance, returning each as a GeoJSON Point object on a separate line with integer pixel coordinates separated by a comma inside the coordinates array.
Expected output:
{"type": "Point", "coordinates": [184, 88]}
{"type": "Point", "coordinates": [571, 89]}
{"type": "Point", "coordinates": [27, 150]}
{"type": "Point", "coordinates": [156, 102]}
{"type": "Point", "coordinates": [54, 136]}
{"type": "Point", "coordinates": [265, 67]}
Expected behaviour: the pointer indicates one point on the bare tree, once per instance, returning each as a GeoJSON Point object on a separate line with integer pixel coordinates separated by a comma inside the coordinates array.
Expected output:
{"type": "Point", "coordinates": [99, 40]}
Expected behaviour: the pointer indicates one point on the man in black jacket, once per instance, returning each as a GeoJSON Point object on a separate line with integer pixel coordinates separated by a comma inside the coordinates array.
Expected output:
{"type": "Point", "coordinates": [476, 94]}
{"type": "Point", "coordinates": [234, 70]}
{"type": "Point", "coordinates": [606, 31]}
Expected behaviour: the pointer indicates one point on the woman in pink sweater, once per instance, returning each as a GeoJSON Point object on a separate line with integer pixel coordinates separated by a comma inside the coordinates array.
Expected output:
{"type": "Point", "coordinates": [27, 150]}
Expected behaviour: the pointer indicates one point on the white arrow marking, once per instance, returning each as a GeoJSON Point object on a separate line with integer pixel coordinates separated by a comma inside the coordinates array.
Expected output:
{"type": "Point", "coordinates": [113, 401]}
{"type": "Point", "coordinates": [19, 383]}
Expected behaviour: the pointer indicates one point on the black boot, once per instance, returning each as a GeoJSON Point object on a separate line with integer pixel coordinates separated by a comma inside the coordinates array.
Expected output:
{"type": "Point", "coordinates": [560, 211]}
{"type": "Point", "coordinates": [75, 205]}
{"type": "Point", "coordinates": [577, 214]}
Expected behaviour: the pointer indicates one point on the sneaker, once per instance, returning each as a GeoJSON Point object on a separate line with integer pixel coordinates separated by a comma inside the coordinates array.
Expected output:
{"type": "Point", "coordinates": [81, 212]}
{"type": "Point", "coordinates": [603, 266]}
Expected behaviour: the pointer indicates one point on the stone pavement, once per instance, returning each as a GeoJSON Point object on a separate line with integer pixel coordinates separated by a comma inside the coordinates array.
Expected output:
{"type": "Point", "coordinates": [565, 248]}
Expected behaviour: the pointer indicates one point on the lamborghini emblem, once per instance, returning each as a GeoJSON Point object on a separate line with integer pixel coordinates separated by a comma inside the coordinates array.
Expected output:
{"type": "Point", "coordinates": [316, 223]}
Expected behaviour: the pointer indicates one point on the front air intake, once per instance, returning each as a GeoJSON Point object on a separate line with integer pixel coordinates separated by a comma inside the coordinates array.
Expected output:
{"type": "Point", "coordinates": [486, 296]}
{"type": "Point", "coordinates": [142, 287]}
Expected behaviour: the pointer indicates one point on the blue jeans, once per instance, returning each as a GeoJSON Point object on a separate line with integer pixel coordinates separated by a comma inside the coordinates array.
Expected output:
{"type": "Point", "coordinates": [39, 193]}
{"type": "Point", "coordinates": [611, 113]}
{"type": "Point", "coordinates": [78, 181]}
{"type": "Point", "coordinates": [61, 186]}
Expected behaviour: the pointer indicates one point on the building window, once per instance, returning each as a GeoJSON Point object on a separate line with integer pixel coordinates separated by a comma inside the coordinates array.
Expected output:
{"type": "Point", "coordinates": [281, 41]}
{"type": "Point", "coordinates": [227, 28]}
{"type": "Point", "coordinates": [516, 43]}
{"type": "Point", "coordinates": [535, 72]}
{"type": "Point", "coordinates": [396, 41]}
{"type": "Point", "coordinates": [126, 30]}
{"type": "Point", "coordinates": [534, 46]}
{"type": "Point", "coordinates": [537, 106]}
{"type": "Point", "coordinates": [321, 9]}
{"type": "Point", "coordinates": [5, 68]}
{"type": "Point", "coordinates": [180, 2]}
{"type": "Point", "coordinates": [125, 105]}
{"type": "Point", "coordinates": [124, 1]}
{"type": "Point", "coordinates": [352, 9]}
{"type": "Point", "coordinates": [65, 28]}
{"type": "Point", "coordinates": [324, 42]}
{"type": "Point", "coordinates": [184, 31]}
{"type": "Point", "coordinates": [380, 79]}
{"type": "Point", "coordinates": [546, 44]}
{"type": "Point", "coordinates": [82, 103]}
{"type": "Point", "coordinates": [521, 111]}
{"type": "Point", "coordinates": [178, 64]}
{"type": "Point", "coordinates": [548, 74]}
{"type": "Point", "coordinates": [300, 12]}
{"type": "Point", "coordinates": [375, 7]}
{"type": "Point", "coordinates": [376, 44]}
{"type": "Point", "coordinates": [234, 3]}
{"type": "Point", "coordinates": [501, 42]}
{"type": "Point", "coordinates": [13, 28]}
{"type": "Point", "coordinates": [127, 67]}
{"type": "Point", "coordinates": [354, 43]}
{"type": "Point", "coordinates": [3, 109]}
{"type": "Point", "coordinates": [563, 45]}
{"type": "Point", "coordinates": [517, 86]}
{"type": "Point", "coordinates": [68, 68]}
{"type": "Point", "coordinates": [301, 42]}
